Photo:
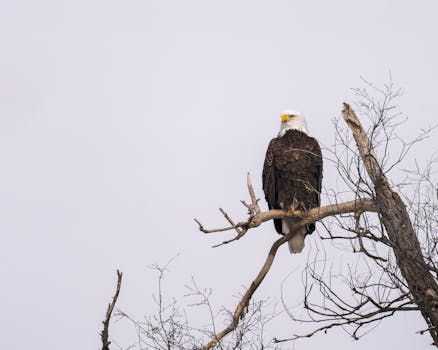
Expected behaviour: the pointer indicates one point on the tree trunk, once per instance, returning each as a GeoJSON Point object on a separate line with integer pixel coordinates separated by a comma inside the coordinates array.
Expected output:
{"type": "Point", "coordinates": [398, 225]}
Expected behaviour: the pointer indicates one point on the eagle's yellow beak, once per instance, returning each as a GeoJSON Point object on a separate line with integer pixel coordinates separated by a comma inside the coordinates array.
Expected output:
{"type": "Point", "coordinates": [285, 118]}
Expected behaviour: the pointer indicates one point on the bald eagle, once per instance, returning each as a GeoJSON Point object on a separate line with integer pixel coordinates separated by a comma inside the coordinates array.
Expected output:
{"type": "Point", "coordinates": [292, 175]}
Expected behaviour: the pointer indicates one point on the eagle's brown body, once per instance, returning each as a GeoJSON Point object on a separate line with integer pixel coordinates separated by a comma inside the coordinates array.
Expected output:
{"type": "Point", "coordinates": [292, 174]}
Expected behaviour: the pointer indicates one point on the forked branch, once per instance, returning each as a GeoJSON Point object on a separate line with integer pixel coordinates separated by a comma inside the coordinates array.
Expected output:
{"type": "Point", "coordinates": [256, 217]}
{"type": "Point", "coordinates": [308, 217]}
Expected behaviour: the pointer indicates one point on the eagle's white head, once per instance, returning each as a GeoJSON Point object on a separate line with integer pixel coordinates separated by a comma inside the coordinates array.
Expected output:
{"type": "Point", "coordinates": [291, 119]}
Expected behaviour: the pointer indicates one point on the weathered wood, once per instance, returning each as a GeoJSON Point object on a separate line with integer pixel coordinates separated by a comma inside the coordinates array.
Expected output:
{"type": "Point", "coordinates": [105, 332]}
{"type": "Point", "coordinates": [398, 225]}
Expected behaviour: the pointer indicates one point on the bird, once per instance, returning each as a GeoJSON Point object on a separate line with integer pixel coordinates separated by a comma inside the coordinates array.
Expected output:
{"type": "Point", "coordinates": [292, 175]}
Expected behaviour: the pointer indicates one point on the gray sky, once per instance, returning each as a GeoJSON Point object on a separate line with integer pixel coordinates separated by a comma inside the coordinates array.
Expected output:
{"type": "Point", "coordinates": [120, 121]}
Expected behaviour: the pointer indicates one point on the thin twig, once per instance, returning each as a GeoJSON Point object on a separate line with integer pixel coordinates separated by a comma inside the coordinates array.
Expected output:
{"type": "Point", "coordinates": [222, 229]}
{"type": "Point", "coordinates": [359, 238]}
{"type": "Point", "coordinates": [240, 231]}
{"type": "Point", "coordinates": [224, 213]}
{"type": "Point", "coordinates": [254, 199]}
{"type": "Point", "coordinates": [235, 238]}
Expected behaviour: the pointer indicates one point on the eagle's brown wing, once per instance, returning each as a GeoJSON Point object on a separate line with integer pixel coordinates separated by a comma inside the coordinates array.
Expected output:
{"type": "Point", "coordinates": [270, 180]}
{"type": "Point", "coordinates": [292, 173]}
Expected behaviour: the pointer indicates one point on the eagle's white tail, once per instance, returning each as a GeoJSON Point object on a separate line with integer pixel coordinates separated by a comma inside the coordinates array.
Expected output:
{"type": "Point", "coordinates": [296, 243]}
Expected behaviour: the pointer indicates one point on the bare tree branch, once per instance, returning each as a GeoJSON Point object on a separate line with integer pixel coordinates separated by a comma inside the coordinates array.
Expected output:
{"type": "Point", "coordinates": [104, 334]}
{"type": "Point", "coordinates": [315, 214]}
{"type": "Point", "coordinates": [308, 218]}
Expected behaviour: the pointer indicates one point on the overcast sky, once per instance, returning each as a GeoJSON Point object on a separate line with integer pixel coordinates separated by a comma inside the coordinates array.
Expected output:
{"type": "Point", "coordinates": [120, 121]}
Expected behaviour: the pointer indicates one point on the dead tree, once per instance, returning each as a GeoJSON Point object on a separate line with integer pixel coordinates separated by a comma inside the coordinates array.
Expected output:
{"type": "Point", "coordinates": [405, 284]}
{"type": "Point", "coordinates": [395, 218]}
{"type": "Point", "coordinates": [382, 228]}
